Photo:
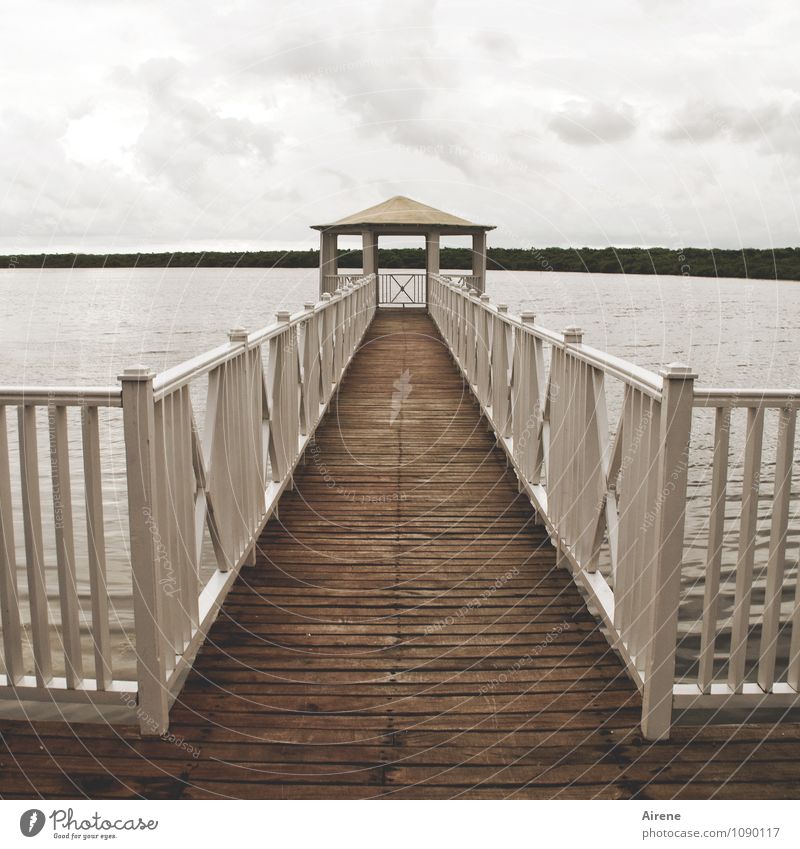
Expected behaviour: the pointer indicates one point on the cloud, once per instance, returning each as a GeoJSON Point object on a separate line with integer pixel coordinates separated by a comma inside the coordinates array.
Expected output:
{"type": "Point", "coordinates": [241, 122]}
{"type": "Point", "coordinates": [184, 140]}
{"type": "Point", "coordinates": [48, 193]}
{"type": "Point", "coordinates": [700, 121]}
{"type": "Point", "coordinates": [593, 123]}
{"type": "Point", "coordinates": [497, 44]}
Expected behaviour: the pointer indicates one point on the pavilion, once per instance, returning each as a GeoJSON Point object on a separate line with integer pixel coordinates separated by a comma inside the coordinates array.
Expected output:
{"type": "Point", "coordinates": [401, 216]}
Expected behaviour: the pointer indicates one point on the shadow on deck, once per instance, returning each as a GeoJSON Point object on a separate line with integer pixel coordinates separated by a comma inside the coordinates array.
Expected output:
{"type": "Point", "coordinates": [405, 633]}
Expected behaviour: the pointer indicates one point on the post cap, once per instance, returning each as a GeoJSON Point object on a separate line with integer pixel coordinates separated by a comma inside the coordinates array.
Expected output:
{"type": "Point", "coordinates": [237, 334]}
{"type": "Point", "coordinates": [283, 315]}
{"type": "Point", "coordinates": [502, 308]}
{"type": "Point", "coordinates": [485, 297]}
{"type": "Point", "coordinates": [309, 306]}
{"type": "Point", "coordinates": [528, 316]}
{"type": "Point", "coordinates": [473, 291]}
{"type": "Point", "coordinates": [137, 372]}
{"type": "Point", "coordinates": [326, 296]}
{"type": "Point", "coordinates": [573, 335]}
{"type": "Point", "coordinates": [678, 371]}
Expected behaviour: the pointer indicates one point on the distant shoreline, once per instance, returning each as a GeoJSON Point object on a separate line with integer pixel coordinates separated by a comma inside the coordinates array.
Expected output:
{"type": "Point", "coordinates": [750, 263]}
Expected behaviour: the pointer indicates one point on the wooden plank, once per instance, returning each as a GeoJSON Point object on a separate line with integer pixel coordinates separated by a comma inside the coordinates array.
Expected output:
{"type": "Point", "coordinates": [9, 593]}
{"type": "Point", "coordinates": [70, 630]}
{"type": "Point", "coordinates": [751, 477]}
{"type": "Point", "coordinates": [34, 545]}
{"type": "Point", "coordinates": [776, 561]}
{"type": "Point", "coordinates": [96, 554]}
{"type": "Point", "coordinates": [716, 531]}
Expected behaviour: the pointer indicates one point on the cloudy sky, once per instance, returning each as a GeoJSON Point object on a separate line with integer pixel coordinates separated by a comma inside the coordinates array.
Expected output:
{"type": "Point", "coordinates": [236, 124]}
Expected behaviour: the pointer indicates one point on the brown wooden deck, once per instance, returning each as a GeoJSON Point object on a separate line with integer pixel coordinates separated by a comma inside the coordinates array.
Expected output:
{"type": "Point", "coordinates": [404, 634]}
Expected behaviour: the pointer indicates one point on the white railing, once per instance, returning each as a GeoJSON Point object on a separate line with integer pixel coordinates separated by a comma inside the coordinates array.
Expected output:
{"type": "Point", "coordinates": [31, 655]}
{"type": "Point", "coordinates": [467, 281]}
{"type": "Point", "coordinates": [192, 486]}
{"type": "Point", "coordinates": [758, 636]}
{"type": "Point", "coordinates": [613, 496]}
{"type": "Point", "coordinates": [401, 289]}
{"type": "Point", "coordinates": [332, 282]}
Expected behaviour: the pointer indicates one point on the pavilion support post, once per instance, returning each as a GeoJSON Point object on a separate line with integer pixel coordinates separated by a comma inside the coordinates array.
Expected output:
{"type": "Point", "coordinates": [369, 252]}
{"type": "Point", "coordinates": [431, 259]}
{"type": "Point", "coordinates": [479, 260]}
{"type": "Point", "coordinates": [328, 260]}
{"type": "Point", "coordinates": [432, 253]}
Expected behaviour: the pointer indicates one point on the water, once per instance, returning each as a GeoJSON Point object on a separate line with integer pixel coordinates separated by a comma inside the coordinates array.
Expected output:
{"type": "Point", "coordinates": [732, 332]}
{"type": "Point", "coordinates": [84, 326]}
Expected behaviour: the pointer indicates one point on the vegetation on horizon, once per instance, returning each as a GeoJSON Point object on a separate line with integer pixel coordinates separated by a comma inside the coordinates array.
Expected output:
{"type": "Point", "coordinates": [780, 263]}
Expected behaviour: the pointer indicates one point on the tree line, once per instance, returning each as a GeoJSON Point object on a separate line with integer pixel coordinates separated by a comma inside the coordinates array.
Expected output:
{"type": "Point", "coordinates": [780, 263]}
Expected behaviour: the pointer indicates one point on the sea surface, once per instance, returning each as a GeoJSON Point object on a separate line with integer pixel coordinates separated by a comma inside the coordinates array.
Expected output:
{"type": "Point", "coordinates": [84, 326]}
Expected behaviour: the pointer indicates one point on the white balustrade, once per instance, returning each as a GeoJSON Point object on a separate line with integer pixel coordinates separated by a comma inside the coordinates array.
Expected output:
{"type": "Point", "coordinates": [608, 480]}
{"type": "Point", "coordinates": [613, 496]}
{"type": "Point", "coordinates": [265, 393]}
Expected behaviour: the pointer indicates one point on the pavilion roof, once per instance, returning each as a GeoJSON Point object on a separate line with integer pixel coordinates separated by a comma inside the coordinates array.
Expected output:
{"type": "Point", "coordinates": [400, 215]}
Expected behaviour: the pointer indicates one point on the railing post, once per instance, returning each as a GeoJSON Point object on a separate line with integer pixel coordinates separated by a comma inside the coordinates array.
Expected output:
{"type": "Point", "coordinates": [483, 365]}
{"type": "Point", "coordinates": [238, 336]}
{"type": "Point", "coordinates": [501, 385]}
{"type": "Point", "coordinates": [670, 509]}
{"type": "Point", "coordinates": [138, 417]}
{"type": "Point", "coordinates": [472, 337]}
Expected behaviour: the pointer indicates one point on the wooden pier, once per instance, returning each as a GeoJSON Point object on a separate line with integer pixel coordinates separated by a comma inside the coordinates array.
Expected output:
{"type": "Point", "coordinates": [404, 633]}
{"type": "Point", "coordinates": [401, 543]}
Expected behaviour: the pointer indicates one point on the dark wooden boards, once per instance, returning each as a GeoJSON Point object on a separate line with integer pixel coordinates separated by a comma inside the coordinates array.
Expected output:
{"type": "Point", "coordinates": [404, 634]}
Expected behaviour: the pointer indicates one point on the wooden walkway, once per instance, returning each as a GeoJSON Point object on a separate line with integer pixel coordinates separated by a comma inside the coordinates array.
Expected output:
{"type": "Point", "coordinates": [405, 634]}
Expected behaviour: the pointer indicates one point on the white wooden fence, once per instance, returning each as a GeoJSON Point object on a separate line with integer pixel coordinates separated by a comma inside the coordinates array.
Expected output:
{"type": "Point", "coordinates": [265, 394]}
{"type": "Point", "coordinates": [616, 492]}
{"type": "Point", "coordinates": [401, 289]}
{"type": "Point", "coordinates": [332, 282]}
{"type": "Point", "coordinates": [612, 494]}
